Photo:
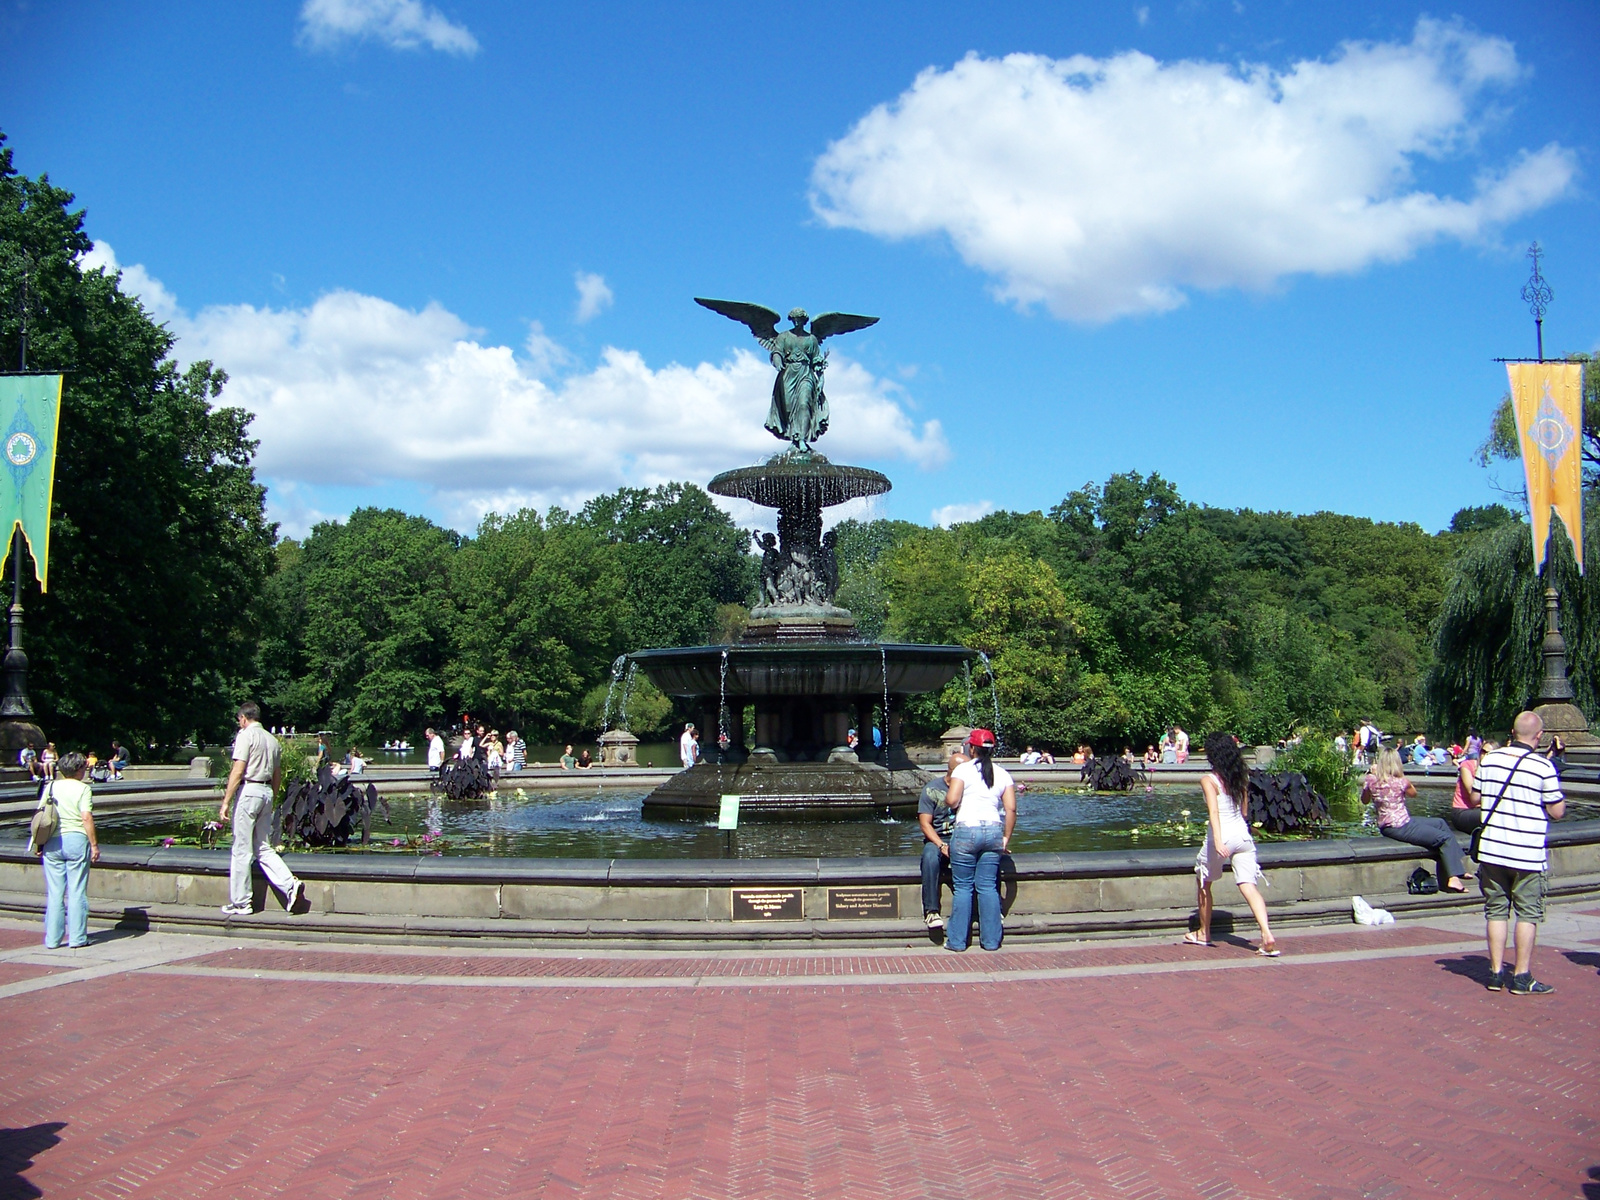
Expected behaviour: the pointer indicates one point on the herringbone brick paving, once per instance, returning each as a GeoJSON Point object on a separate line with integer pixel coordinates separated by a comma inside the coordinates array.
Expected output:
{"type": "Point", "coordinates": [1385, 1077]}
{"type": "Point", "coordinates": [793, 964]}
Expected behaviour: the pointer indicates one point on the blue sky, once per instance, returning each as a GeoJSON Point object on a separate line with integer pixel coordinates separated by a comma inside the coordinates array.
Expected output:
{"type": "Point", "coordinates": [447, 251]}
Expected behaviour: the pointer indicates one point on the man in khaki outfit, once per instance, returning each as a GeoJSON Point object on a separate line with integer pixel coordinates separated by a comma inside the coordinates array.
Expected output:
{"type": "Point", "coordinates": [256, 774]}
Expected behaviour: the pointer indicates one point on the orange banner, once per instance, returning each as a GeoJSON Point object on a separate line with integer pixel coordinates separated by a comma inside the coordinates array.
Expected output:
{"type": "Point", "coordinates": [1548, 401]}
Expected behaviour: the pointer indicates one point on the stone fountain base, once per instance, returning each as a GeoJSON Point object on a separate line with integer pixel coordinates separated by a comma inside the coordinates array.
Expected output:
{"type": "Point", "coordinates": [810, 789]}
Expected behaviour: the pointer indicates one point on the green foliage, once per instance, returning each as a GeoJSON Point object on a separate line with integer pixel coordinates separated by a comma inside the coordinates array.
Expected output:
{"type": "Point", "coordinates": [376, 622]}
{"type": "Point", "coordinates": [680, 556]}
{"type": "Point", "coordinates": [158, 539]}
{"type": "Point", "coordinates": [1481, 518]}
{"type": "Point", "coordinates": [1487, 650]}
{"type": "Point", "coordinates": [537, 618]}
{"type": "Point", "coordinates": [1328, 770]}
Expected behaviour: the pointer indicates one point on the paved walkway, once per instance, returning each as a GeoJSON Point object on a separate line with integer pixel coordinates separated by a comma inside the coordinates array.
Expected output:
{"type": "Point", "coordinates": [1364, 1063]}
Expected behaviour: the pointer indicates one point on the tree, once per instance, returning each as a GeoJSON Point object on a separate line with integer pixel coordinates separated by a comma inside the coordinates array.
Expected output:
{"type": "Point", "coordinates": [159, 540]}
{"type": "Point", "coordinates": [378, 622]}
{"type": "Point", "coordinates": [681, 556]}
{"type": "Point", "coordinates": [538, 617]}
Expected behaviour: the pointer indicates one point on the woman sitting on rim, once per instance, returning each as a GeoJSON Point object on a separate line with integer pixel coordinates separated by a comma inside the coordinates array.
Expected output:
{"type": "Point", "coordinates": [1388, 787]}
{"type": "Point", "coordinates": [984, 800]}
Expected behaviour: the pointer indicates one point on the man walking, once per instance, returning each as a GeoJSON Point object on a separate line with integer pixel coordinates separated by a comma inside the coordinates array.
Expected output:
{"type": "Point", "coordinates": [435, 751]}
{"type": "Point", "coordinates": [256, 774]}
{"type": "Point", "coordinates": [688, 747]}
{"type": "Point", "coordinates": [1519, 792]}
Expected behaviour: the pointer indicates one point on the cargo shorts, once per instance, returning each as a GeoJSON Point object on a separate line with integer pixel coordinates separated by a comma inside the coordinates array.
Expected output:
{"type": "Point", "coordinates": [1507, 890]}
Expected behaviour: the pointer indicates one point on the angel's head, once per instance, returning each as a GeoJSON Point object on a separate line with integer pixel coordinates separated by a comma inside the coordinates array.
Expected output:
{"type": "Point", "coordinates": [799, 316]}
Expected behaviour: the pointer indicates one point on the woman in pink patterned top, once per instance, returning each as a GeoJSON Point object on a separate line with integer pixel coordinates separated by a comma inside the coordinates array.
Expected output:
{"type": "Point", "coordinates": [1387, 787]}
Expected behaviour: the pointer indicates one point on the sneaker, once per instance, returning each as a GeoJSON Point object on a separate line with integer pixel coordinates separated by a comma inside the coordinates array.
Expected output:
{"type": "Point", "coordinates": [236, 910]}
{"type": "Point", "coordinates": [296, 890]}
{"type": "Point", "coordinates": [1497, 981]}
{"type": "Point", "coordinates": [1527, 985]}
{"type": "Point", "coordinates": [933, 920]}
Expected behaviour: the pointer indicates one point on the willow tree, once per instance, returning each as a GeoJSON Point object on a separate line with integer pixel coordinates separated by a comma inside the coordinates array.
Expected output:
{"type": "Point", "coordinates": [1487, 647]}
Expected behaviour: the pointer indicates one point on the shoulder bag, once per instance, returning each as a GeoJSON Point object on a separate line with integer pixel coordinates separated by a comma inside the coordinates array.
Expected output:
{"type": "Point", "coordinates": [46, 821]}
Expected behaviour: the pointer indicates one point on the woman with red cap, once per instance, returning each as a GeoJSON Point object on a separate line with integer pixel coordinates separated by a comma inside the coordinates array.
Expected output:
{"type": "Point", "coordinates": [984, 800]}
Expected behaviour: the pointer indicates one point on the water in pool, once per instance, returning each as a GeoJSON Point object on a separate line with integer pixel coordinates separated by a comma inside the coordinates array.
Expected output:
{"type": "Point", "coordinates": [601, 823]}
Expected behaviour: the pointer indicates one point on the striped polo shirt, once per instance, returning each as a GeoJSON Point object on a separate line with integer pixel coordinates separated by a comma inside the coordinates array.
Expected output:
{"type": "Point", "coordinates": [1516, 784]}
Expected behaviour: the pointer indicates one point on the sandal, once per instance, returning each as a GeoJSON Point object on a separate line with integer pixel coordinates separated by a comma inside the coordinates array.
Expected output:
{"type": "Point", "coordinates": [1193, 939]}
{"type": "Point", "coordinates": [1269, 950]}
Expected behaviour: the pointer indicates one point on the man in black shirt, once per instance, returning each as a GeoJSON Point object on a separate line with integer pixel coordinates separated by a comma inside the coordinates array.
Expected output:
{"type": "Point", "coordinates": [937, 823]}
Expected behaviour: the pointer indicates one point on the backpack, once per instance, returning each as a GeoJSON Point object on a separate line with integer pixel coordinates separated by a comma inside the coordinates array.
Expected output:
{"type": "Point", "coordinates": [1422, 883]}
{"type": "Point", "coordinates": [46, 822]}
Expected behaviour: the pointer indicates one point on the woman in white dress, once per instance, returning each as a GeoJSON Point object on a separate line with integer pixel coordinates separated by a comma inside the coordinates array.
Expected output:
{"type": "Point", "coordinates": [1227, 790]}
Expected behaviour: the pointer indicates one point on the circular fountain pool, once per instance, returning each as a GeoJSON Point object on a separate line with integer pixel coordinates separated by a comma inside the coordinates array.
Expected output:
{"type": "Point", "coordinates": [612, 825]}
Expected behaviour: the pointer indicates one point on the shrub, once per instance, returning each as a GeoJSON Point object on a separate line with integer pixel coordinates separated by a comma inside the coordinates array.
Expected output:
{"type": "Point", "coordinates": [1283, 802]}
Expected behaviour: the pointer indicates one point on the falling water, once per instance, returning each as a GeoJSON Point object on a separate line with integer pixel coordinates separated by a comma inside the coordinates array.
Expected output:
{"type": "Point", "coordinates": [617, 666]}
{"type": "Point", "coordinates": [722, 709]}
{"type": "Point", "coordinates": [627, 690]}
{"type": "Point", "coordinates": [966, 670]}
{"type": "Point", "coordinates": [994, 694]}
{"type": "Point", "coordinates": [883, 658]}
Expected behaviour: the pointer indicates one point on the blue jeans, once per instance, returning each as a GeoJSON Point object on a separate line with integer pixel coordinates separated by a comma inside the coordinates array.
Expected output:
{"type": "Point", "coordinates": [975, 867]}
{"type": "Point", "coordinates": [66, 890]}
{"type": "Point", "coordinates": [934, 864]}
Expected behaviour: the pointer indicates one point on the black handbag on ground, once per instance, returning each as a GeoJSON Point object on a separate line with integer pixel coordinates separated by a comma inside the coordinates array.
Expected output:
{"type": "Point", "coordinates": [1422, 883]}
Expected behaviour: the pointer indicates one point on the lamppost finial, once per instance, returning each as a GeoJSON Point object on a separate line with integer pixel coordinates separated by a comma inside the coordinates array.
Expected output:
{"type": "Point", "coordinates": [1536, 294]}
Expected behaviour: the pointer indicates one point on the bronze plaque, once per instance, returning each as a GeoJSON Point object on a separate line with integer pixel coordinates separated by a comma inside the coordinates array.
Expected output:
{"type": "Point", "coordinates": [863, 903]}
{"type": "Point", "coordinates": [768, 904]}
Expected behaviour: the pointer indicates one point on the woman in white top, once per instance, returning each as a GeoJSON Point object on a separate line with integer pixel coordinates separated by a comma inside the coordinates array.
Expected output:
{"type": "Point", "coordinates": [984, 800]}
{"type": "Point", "coordinates": [67, 855]}
{"type": "Point", "coordinates": [1227, 790]}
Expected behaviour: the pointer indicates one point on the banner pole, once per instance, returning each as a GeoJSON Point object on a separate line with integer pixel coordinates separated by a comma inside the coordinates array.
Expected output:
{"type": "Point", "coordinates": [14, 702]}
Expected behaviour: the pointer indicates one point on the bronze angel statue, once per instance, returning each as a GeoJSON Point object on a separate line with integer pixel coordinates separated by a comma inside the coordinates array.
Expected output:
{"type": "Point", "coordinates": [799, 412]}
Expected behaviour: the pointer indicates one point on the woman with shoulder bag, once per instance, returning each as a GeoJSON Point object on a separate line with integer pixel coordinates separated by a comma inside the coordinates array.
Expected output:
{"type": "Point", "coordinates": [68, 854]}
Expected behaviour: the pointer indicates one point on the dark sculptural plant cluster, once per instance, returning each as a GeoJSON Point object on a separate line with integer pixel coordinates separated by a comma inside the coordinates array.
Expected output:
{"type": "Point", "coordinates": [464, 779]}
{"type": "Point", "coordinates": [1285, 802]}
{"type": "Point", "coordinates": [1112, 773]}
{"type": "Point", "coordinates": [324, 811]}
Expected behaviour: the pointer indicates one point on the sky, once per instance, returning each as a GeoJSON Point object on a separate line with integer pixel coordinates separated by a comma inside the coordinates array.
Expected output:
{"type": "Point", "coordinates": [447, 252]}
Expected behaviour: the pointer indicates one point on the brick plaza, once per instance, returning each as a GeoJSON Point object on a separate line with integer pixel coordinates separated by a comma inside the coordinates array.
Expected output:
{"type": "Point", "coordinates": [1364, 1063]}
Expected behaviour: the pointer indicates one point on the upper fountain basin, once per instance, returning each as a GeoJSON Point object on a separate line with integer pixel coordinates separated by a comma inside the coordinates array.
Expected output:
{"type": "Point", "coordinates": [814, 669]}
{"type": "Point", "coordinates": [799, 480]}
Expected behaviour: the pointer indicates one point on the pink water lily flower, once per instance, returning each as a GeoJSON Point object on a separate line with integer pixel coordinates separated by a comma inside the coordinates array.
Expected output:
{"type": "Point", "coordinates": [398, 842]}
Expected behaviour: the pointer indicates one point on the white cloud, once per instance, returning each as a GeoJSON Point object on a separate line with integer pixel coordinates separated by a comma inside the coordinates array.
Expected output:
{"type": "Point", "coordinates": [594, 297]}
{"type": "Point", "coordinates": [161, 304]}
{"type": "Point", "coordinates": [1106, 187]}
{"type": "Point", "coordinates": [398, 24]}
{"type": "Point", "coordinates": [960, 514]}
{"type": "Point", "coordinates": [356, 391]}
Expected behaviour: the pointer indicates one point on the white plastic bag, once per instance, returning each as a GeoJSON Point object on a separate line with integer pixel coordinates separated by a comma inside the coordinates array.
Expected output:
{"type": "Point", "coordinates": [1365, 914]}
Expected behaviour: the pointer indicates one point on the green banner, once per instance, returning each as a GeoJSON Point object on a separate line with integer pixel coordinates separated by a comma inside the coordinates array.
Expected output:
{"type": "Point", "coordinates": [30, 410]}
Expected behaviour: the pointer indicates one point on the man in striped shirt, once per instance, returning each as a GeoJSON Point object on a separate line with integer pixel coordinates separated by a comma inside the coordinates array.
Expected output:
{"type": "Point", "coordinates": [1520, 793]}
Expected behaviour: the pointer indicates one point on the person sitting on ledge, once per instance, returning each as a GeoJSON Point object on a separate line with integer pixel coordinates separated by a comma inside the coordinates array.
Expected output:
{"type": "Point", "coordinates": [938, 824]}
{"type": "Point", "coordinates": [1151, 756]}
{"type": "Point", "coordinates": [583, 760]}
{"type": "Point", "coordinates": [1388, 788]}
{"type": "Point", "coordinates": [567, 761]}
{"type": "Point", "coordinates": [1030, 757]}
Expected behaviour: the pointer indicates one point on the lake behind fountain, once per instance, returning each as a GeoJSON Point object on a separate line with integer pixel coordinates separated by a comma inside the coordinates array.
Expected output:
{"type": "Point", "coordinates": [602, 823]}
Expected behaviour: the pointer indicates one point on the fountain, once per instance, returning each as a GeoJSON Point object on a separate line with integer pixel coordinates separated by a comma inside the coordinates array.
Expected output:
{"type": "Point", "coordinates": [801, 669]}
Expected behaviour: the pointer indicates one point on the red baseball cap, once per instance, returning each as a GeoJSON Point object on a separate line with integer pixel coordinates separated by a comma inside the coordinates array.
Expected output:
{"type": "Point", "coordinates": [980, 737]}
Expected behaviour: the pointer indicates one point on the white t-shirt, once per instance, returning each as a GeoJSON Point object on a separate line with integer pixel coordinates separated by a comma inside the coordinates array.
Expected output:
{"type": "Point", "coordinates": [1031, 758]}
{"type": "Point", "coordinates": [1514, 832]}
{"type": "Point", "coordinates": [980, 803]}
{"type": "Point", "coordinates": [436, 751]}
{"type": "Point", "coordinates": [688, 749]}
{"type": "Point", "coordinates": [466, 747]}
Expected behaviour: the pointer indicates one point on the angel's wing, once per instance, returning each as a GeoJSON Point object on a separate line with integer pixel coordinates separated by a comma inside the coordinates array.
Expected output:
{"type": "Point", "coordinates": [825, 325]}
{"type": "Point", "coordinates": [762, 322]}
